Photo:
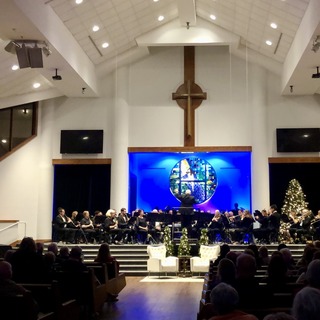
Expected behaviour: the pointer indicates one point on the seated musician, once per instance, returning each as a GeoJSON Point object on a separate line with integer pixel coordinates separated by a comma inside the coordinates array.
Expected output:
{"type": "Point", "coordinates": [246, 226]}
{"type": "Point", "coordinates": [142, 227]}
{"type": "Point", "coordinates": [111, 227]}
{"type": "Point", "coordinates": [215, 227]}
{"type": "Point", "coordinates": [300, 228]}
{"type": "Point", "coordinates": [274, 223]}
{"type": "Point", "coordinates": [294, 220]}
{"type": "Point", "coordinates": [262, 234]}
{"type": "Point", "coordinates": [129, 234]}
{"type": "Point", "coordinates": [315, 225]}
{"type": "Point", "coordinates": [65, 233]}
{"type": "Point", "coordinates": [88, 227]}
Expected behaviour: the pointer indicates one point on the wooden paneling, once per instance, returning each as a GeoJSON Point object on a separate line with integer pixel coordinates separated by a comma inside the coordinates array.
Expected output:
{"type": "Point", "coordinates": [81, 161]}
{"type": "Point", "coordinates": [190, 149]}
{"type": "Point", "coordinates": [294, 160]}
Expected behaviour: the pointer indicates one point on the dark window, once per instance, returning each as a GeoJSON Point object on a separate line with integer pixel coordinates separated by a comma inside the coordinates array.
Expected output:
{"type": "Point", "coordinates": [17, 124]}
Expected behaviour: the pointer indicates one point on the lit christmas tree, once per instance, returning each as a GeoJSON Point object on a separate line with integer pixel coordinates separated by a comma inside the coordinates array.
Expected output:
{"type": "Point", "coordinates": [204, 239]}
{"type": "Point", "coordinates": [184, 246]}
{"type": "Point", "coordinates": [168, 242]}
{"type": "Point", "coordinates": [294, 199]}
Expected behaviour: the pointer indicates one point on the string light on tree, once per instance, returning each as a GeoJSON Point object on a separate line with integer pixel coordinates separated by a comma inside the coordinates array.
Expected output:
{"type": "Point", "coordinates": [168, 242]}
{"type": "Point", "coordinates": [294, 198]}
{"type": "Point", "coordinates": [184, 246]}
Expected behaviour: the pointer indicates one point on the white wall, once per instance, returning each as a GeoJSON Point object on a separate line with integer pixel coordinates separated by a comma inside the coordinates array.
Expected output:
{"type": "Point", "coordinates": [244, 107]}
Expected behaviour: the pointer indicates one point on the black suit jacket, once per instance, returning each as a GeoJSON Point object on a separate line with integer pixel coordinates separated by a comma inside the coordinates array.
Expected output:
{"type": "Point", "coordinates": [187, 202]}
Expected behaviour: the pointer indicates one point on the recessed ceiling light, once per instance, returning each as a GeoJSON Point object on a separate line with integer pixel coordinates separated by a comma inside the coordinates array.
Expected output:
{"type": "Point", "coordinates": [269, 43]}
{"type": "Point", "coordinates": [160, 18]}
{"type": "Point", "coordinates": [105, 45]}
{"type": "Point", "coordinates": [78, 1]}
{"type": "Point", "coordinates": [213, 17]}
{"type": "Point", "coordinates": [15, 67]}
{"type": "Point", "coordinates": [4, 140]}
{"type": "Point", "coordinates": [95, 28]}
{"type": "Point", "coordinates": [36, 85]}
{"type": "Point", "coordinates": [155, 0]}
{"type": "Point", "coordinates": [273, 25]}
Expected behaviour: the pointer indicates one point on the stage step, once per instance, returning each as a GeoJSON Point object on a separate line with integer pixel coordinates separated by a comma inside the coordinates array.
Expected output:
{"type": "Point", "coordinates": [133, 257]}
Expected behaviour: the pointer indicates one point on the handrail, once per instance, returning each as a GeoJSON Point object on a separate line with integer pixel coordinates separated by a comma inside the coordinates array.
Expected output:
{"type": "Point", "coordinates": [14, 224]}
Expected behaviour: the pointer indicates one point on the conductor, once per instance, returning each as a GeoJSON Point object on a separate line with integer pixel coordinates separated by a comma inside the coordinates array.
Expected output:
{"type": "Point", "coordinates": [186, 208]}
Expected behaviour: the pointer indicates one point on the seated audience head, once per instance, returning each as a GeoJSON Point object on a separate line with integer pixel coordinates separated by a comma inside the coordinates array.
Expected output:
{"type": "Point", "coordinates": [306, 304]}
{"type": "Point", "coordinates": [287, 256]}
{"type": "Point", "coordinates": [313, 274]}
{"type": "Point", "coordinates": [76, 253]}
{"type": "Point", "coordinates": [5, 270]}
{"type": "Point", "coordinates": [49, 258]}
{"type": "Point", "coordinates": [264, 253]}
{"type": "Point", "coordinates": [40, 247]}
{"type": "Point", "coordinates": [28, 245]}
{"type": "Point", "coordinates": [64, 252]}
{"type": "Point", "coordinates": [53, 247]}
{"type": "Point", "coordinates": [226, 271]}
{"type": "Point", "coordinates": [232, 255]}
{"type": "Point", "coordinates": [8, 255]}
{"type": "Point", "coordinates": [224, 298]}
{"type": "Point", "coordinates": [277, 268]}
{"type": "Point", "coordinates": [281, 246]}
{"type": "Point", "coordinates": [246, 266]}
{"type": "Point", "coordinates": [279, 316]}
{"type": "Point", "coordinates": [317, 244]}
{"type": "Point", "coordinates": [103, 253]}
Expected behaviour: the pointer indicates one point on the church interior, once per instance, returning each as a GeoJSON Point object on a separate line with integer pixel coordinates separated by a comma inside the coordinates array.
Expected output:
{"type": "Point", "coordinates": [216, 97]}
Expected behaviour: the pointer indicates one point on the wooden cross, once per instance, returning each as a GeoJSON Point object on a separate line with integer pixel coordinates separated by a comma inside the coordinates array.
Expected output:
{"type": "Point", "coordinates": [189, 96]}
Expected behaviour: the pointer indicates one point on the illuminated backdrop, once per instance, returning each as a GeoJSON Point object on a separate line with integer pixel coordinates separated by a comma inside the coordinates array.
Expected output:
{"type": "Point", "coordinates": [217, 179]}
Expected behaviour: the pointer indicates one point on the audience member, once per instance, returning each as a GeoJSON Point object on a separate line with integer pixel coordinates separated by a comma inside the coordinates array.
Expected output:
{"type": "Point", "coordinates": [104, 256]}
{"type": "Point", "coordinates": [224, 249]}
{"type": "Point", "coordinates": [312, 275]}
{"type": "Point", "coordinates": [7, 286]}
{"type": "Point", "coordinates": [279, 316]}
{"type": "Point", "coordinates": [27, 265]}
{"type": "Point", "coordinates": [226, 273]}
{"type": "Point", "coordinates": [224, 299]}
{"type": "Point", "coordinates": [264, 255]}
{"type": "Point", "coordinates": [306, 304]}
{"type": "Point", "coordinates": [74, 263]}
{"type": "Point", "coordinates": [246, 284]}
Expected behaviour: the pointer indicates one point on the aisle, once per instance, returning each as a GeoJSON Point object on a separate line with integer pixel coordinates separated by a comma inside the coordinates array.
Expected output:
{"type": "Point", "coordinates": [155, 300]}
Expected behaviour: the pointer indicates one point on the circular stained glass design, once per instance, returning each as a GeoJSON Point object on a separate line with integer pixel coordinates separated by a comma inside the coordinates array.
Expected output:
{"type": "Point", "coordinates": [195, 174]}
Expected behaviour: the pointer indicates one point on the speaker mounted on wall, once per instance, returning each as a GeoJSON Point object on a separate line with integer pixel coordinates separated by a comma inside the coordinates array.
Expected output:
{"type": "Point", "coordinates": [29, 52]}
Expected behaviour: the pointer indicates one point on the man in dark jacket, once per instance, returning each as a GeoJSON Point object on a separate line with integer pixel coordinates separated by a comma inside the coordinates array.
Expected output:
{"type": "Point", "coordinates": [186, 208]}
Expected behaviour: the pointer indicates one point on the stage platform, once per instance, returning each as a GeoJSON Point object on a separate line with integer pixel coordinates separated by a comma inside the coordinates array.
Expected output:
{"type": "Point", "coordinates": [133, 257]}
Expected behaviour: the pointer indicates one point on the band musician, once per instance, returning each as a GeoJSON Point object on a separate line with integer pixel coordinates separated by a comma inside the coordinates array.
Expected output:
{"type": "Point", "coordinates": [315, 226]}
{"type": "Point", "coordinates": [64, 232]}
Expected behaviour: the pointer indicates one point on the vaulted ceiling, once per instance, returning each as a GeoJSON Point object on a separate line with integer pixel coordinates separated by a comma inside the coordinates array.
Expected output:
{"type": "Point", "coordinates": [128, 28]}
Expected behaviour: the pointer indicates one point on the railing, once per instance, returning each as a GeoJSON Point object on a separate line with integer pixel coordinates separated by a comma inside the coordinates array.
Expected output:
{"type": "Point", "coordinates": [10, 233]}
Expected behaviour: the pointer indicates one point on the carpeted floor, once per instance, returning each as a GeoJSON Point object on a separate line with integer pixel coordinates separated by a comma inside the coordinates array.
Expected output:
{"type": "Point", "coordinates": [171, 279]}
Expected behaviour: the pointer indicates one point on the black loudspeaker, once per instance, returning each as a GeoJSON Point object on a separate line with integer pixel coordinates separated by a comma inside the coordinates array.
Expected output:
{"type": "Point", "coordinates": [35, 57]}
{"type": "Point", "coordinates": [23, 57]}
{"type": "Point", "coordinates": [29, 57]}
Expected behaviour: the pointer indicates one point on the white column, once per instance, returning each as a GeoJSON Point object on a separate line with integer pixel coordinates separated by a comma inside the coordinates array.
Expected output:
{"type": "Point", "coordinates": [258, 105]}
{"type": "Point", "coordinates": [120, 141]}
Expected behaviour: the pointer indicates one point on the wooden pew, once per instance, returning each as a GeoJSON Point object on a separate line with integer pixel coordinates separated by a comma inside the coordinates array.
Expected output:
{"type": "Point", "coordinates": [107, 274]}
{"type": "Point", "coordinates": [84, 288]}
{"type": "Point", "coordinates": [50, 304]}
{"type": "Point", "coordinates": [17, 307]}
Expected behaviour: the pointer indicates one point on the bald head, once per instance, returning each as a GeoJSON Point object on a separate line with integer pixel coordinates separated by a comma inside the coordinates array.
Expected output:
{"type": "Point", "coordinates": [188, 191]}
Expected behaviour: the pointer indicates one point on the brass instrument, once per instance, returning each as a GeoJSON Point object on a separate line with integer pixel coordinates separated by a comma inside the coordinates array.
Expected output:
{"type": "Point", "coordinates": [314, 220]}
